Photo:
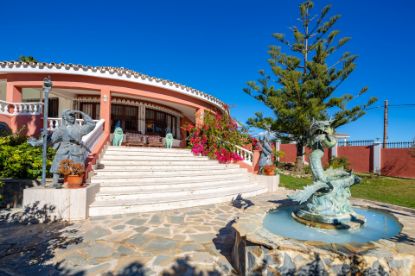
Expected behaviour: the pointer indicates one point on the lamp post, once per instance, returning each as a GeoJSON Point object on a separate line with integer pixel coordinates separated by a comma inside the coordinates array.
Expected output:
{"type": "Point", "coordinates": [47, 86]}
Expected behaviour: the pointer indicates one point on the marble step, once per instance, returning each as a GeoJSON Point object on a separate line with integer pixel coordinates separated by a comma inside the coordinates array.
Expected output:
{"type": "Point", "coordinates": [111, 207]}
{"type": "Point", "coordinates": [152, 158]}
{"type": "Point", "coordinates": [148, 153]}
{"type": "Point", "coordinates": [178, 162]}
{"type": "Point", "coordinates": [173, 167]}
{"type": "Point", "coordinates": [161, 173]}
{"type": "Point", "coordinates": [145, 149]}
{"type": "Point", "coordinates": [141, 187]}
{"type": "Point", "coordinates": [169, 179]}
{"type": "Point", "coordinates": [157, 192]}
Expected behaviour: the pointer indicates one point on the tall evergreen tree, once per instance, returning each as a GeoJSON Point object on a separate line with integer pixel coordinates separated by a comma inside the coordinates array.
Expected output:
{"type": "Point", "coordinates": [304, 80]}
{"type": "Point", "coordinates": [27, 59]}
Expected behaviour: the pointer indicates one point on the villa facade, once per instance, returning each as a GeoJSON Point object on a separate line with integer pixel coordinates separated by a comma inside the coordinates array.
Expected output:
{"type": "Point", "coordinates": [141, 104]}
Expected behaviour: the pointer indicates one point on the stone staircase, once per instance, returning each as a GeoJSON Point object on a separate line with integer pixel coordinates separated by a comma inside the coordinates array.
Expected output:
{"type": "Point", "coordinates": [135, 179]}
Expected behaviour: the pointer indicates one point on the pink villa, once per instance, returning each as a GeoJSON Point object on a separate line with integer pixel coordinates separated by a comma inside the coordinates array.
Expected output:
{"type": "Point", "coordinates": [145, 107]}
{"type": "Point", "coordinates": [142, 104]}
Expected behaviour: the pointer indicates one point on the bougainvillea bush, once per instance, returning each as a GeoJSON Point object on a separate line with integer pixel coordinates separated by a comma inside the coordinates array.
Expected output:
{"type": "Point", "coordinates": [217, 138]}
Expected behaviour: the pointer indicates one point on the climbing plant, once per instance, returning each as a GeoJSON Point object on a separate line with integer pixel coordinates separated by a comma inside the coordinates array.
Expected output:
{"type": "Point", "coordinates": [217, 137]}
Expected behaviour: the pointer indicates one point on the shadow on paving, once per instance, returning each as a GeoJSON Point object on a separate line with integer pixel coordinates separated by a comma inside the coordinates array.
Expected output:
{"type": "Point", "coordinates": [225, 239]}
{"type": "Point", "coordinates": [28, 240]}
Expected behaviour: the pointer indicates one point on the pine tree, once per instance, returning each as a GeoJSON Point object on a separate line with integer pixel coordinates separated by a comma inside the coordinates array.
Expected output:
{"type": "Point", "coordinates": [27, 59]}
{"type": "Point", "coordinates": [304, 82]}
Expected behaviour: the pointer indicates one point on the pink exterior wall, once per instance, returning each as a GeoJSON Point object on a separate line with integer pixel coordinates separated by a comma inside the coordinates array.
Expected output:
{"type": "Point", "coordinates": [360, 157]}
{"type": "Point", "coordinates": [398, 162]}
{"type": "Point", "coordinates": [29, 125]}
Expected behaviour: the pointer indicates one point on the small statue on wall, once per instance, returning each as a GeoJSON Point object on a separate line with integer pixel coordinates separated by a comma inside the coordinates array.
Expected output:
{"type": "Point", "coordinates": [169, 139]}
{"type": "Point", "coordinates": [118, 135]}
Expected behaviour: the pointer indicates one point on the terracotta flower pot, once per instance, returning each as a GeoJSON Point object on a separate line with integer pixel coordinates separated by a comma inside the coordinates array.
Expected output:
{"type": "Point", "coordinates": [74, 181]}
{"type": "Point", "coordinates": [269, 170]}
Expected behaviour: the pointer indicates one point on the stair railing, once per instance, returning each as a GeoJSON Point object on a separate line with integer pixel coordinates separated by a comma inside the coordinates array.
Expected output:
{"type": "Point", "coordinates": [92, 138]}
{"type": "Point", "coordinates": [247, 155]}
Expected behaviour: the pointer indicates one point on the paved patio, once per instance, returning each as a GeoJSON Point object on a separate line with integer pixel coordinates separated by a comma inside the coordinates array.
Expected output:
{"type": "Point", "coordinates": [197, 240]}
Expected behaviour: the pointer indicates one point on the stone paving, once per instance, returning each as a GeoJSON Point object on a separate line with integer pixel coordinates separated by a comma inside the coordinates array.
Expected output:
{"type": "Point", "coordinates": [196, 240]}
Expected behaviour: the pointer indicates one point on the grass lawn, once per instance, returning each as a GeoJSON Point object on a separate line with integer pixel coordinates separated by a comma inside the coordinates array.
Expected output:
{"type": "Point", "coordinates": [397, 191]}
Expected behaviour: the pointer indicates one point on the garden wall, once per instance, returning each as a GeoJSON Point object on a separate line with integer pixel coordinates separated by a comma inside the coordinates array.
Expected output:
{"type": "Point", "coordinates": [398, 162]}
{"type": "Point", "coordinates": [290, 153]}
{"type": "Point", "coordinates": [359, 157]}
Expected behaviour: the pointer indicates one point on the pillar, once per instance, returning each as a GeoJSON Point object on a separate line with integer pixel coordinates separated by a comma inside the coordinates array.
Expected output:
{"type": "Point", "coordinates": [13, 93]}
{"type": "Point", "coordinates": [199, 117]}
{"type": "Point", "coordinates": [377, 148]}
{"type": "Point", "coordinates": [142, 118]}
{"type": "Point", "coordinates": [333, 152]}
{"type": "Point", "coordinates": [178, 136]}
{"type": "Point", "coordinates": [105, 109]}
{"type": "Point", "coordinates": [255, 161]}
{"type": "Point", "coordinates": [277, 148]}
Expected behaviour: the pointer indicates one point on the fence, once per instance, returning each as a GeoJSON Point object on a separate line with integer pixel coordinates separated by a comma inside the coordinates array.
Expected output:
{"type": "Point", "coordinates": [367, 156]}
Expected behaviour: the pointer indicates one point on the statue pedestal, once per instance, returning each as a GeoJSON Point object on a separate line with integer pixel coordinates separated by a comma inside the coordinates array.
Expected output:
{"type": "Point", "coordinates": [341, 221]}
{"type": "Point", "coordinates": [56, 204]}
{"type": "Point", "coordinates": [270, 181]}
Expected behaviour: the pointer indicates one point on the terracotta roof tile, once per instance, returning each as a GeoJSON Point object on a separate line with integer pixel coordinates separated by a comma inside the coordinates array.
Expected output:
{"type": "Point", "coordinates": [120, 71]}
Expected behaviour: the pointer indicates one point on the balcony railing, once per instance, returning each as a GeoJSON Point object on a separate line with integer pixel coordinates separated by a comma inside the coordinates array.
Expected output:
{"type": "Point", "coordinates": [54, 123]}
{"type": "Point", "coordinates": [29, 108]}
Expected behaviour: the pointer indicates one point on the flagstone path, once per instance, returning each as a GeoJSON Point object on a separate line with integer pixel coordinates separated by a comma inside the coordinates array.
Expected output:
{"type": "Point", "coordinates": [197, 240]}
{"type": "Point", "coordinates": [156, 243]}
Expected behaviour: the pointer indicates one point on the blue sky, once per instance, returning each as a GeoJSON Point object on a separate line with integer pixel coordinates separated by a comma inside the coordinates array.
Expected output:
{"type": "Point", "coordinates": [217, 46]}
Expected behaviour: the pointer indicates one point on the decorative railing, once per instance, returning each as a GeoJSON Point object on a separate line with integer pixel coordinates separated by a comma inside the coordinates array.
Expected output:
{"type": "Point", "coordinates": [29, 108]}
{"type": "Point", "coordinates": [399, 145]}
{"type": "Point", "coordinates": [247, 155]}
{"type": "Point", "coordinates": [394, 145]}
{"type": "Point", "coordinates": [54, 123]}
{"type": "Point", "coordinates": [92, 138]}
{"type": "Point", "coordinates": [363, 143]}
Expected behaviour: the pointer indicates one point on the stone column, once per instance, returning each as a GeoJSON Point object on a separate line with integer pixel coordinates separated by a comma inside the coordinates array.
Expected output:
{"type": "Point", "coordinates": [277, 148]}
{"type": "Point", "coordinates": [377, 157]}
{"type": "Point", "coordinates": [142, 119]}
{"type": "Point", "coordinates": [178, 136]}
{"type": "Point", "coordinates": [333, 151]}
{"type": "Point", "coordinates": [199, 116]}
{"type": "Point", "coordinates": [105, 108]}
{"type": "Point", "coordinates": [13, 93]}
{"type": "Point", "coordinates": [255, 161]}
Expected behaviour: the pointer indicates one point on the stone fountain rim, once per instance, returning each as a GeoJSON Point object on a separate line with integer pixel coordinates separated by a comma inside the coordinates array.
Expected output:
{"type": "Point", "coordinates": [249, 225]}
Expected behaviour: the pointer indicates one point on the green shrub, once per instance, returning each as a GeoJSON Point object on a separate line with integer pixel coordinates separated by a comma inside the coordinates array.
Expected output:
{"type": "Point", "coordinates": [307, 169]}
{"type": "Point", "coordinates": [340, 162]}
{"type": "Point", "coordinates": [20, 160]}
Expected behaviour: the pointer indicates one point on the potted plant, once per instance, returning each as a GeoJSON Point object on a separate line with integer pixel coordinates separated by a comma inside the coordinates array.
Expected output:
{"type": "Point", "coordinates": [73, 173]}
{"type": "Point", "coordinates": [269, 170]}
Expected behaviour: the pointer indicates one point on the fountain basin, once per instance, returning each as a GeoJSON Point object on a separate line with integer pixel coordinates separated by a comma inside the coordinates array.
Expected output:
{"type": "Point", "coordinates": [378, 225]}
{"type": "Point", "coordinates": [256, 248]}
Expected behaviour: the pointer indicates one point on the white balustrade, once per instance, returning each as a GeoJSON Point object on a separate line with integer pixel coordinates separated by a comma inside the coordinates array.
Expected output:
{"type": "Point", "coordinates": [54, 123]}
{"type": "Point", "coordinates": [247, 155]}
{"type": "Point", "coordinates": [92, 138]}
{"type": "Point", "coordinates": [29, 108]}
